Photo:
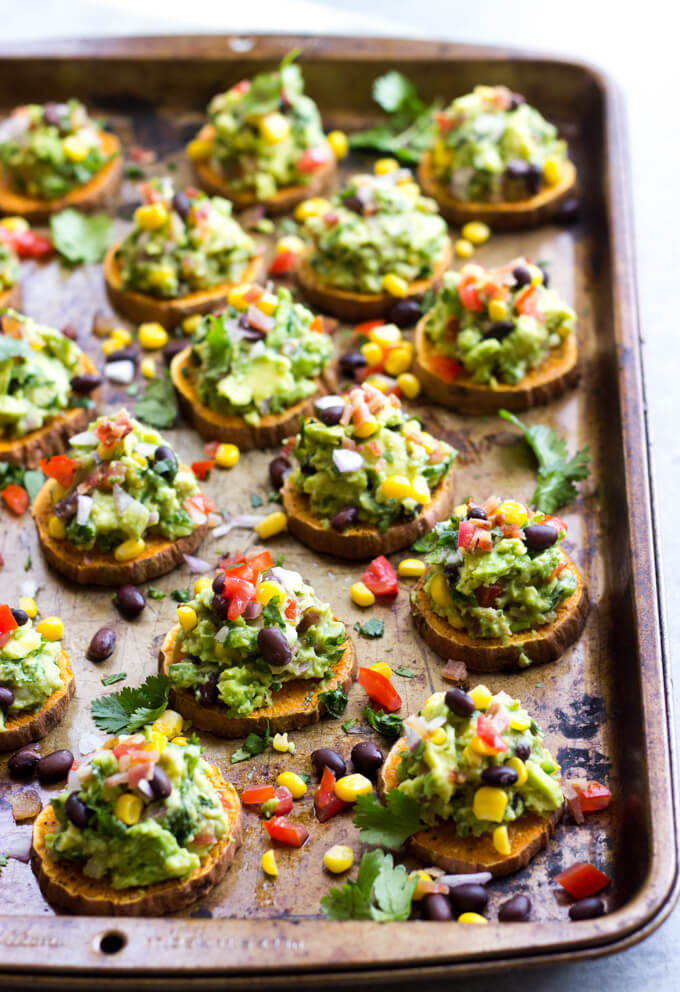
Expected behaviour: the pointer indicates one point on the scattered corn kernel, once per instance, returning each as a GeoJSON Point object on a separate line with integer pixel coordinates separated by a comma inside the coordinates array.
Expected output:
{"type": "Point", "coordinates": [57, 528]}
{"type": "Point", "coordinates": [514, 513]}
{"type": "Point", "coordinates": [267, 303]}
{"type": "Point", "coordinates": [409, 385]}
{"type": "Point", "coordinates": [349, 787]}
{"type": "Point", "coordinates": [476, 232]}
{"type": "Point", "coordinates": [187, 618]}
{"type": "Point", "coordinates": [190, 324]}
{"type": "Point", "coordinates": [396, 487]}
{"type": "Point", "coordinates": [128, 808]}
{"type": "Point", "coordinates": [481, 696]}
{"type": "Point", "coordinates": [109, 346]}
{"type": "Point", "coordinates": [501, 841]}
{"type": "Point", "coordinates": [471, 918]}
{"type": "Point", "coordinates": [372, 352]}
{"type": "Point", "coordinates": [51, 628]}
{"type": "Point", "coordinates": [273, 523]}
{"type": "Point", "coordinates": [151, 216]}
{"type": "Point", "coordinates": [147, 367]}
{"type": "Point", "coordinates": [386, 335]}
{"type": "Point", "coordinates": [129, 549]}
{"type": "Point", "coordinates": [295, 785]}
{"type": "Point", "coordinates": [15, 224]}
{"type": "Point", "coordinates": [160, 276]}
{"type": "Point", "coordinates": [383, 166]}
{"type": "Point", "coordinates": [121, 336]}
{"type": "Point", "coordinates": [498, 310]}
{"type": "Point", "coordinates": [274, 127]}
{"type": "Point", "coordinates": [463, 248]}
{"type": "Point", "coordinates": [368, 427]}
{"type": "Point", "coordinates": [439, 736]}
{"type": "Point", "coordinates": [75, 148]}
{"type": "Point", "coordinates": [269, 866]}
{"type": "Point", "coordinates": [290, 242]}
{"type": "Point", "coordinates": [398, 361]}
{"type": "Point", "coordinates": [361, 594]}
{"type": "Point", "coordinates": [281, 743]}
{"type": "Point", "coordinates": [28, 605]}
{"type": "Point", "coordinates": [227, 455]}
{"type": "Point", "coordinates": [152, 336]}
{"type": "Point", "coordinates": [338, 858]}
{"type": "Point", "coordinates": [422, 876]}
{"type": "Point", "coordinates": [520, 721]}
{"type": "Point", "coordinates": [338, 142]}
{"type": "Point", "coordinates": [199, 149]}
{"type": "Point", "coordinates": [440, 592]}
{"type": "Point", "coordinates": [169, 723]}
{"type": "Point", "coordinates": [380, 382]}
{"type": "Point", "coordinates": [420, 491]}
{"type": "Point", "coordinates": [382, 668]}
{"type": "Point", "coordinates": [411, 568]}
{"type": "Point", "coordinates": [267, 590]}
{"type": "Point", "coordinates": [488, 803]}
{"type": "Point", "coordinates": [551, 172]}
{"type": "Point", "coordinates": [518, 765]}
{"type": "Point", "coordinates": [316, 206]}
{"type": "Point", "coordinates": [395, 285]}
{"type": "Point", "coordinates": [237, 295]}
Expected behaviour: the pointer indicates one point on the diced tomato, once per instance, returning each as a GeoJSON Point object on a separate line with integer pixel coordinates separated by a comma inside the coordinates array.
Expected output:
{"type": "Point", "coordinates": [281, 829]}
{"type": "Point", "coordinates": [487, 595]}
{"type": "Point", "coordinates": [331, 218]}
{"type": "Point", "coordinates": [379, 689]}
{"type": "Point", "coordinates": [211, 448]}
{"type": "Point", "coordinates": [582, 880]}
{"type": "Point", "coordinates": [241, 87]}
{"type": "Point", "coordinates": [202, 470]}
{"type": "Point", "coordinates": [16, 498]}
{"type": "Point", "coordinates": [444, 368]}
{"type": "Point", "coordinates": [59, 467]}
{"type": "Point", "coordinates": [285, 800]}
{"type": "Point", "coordinates": [487, 733]}
{"type": "Point", "coordinates": [317, 325]}
{"type": "Point", "coordinates": [27, 244]}
{"type": "Point", "coordinates": [492, 290]}
{"type": "Point", "coordinates": [574, 803]}
{"type": "Point", "coordinates": [469, 297]}
{"type": "Point", "coordinates": [283, 263]}
{"type": "Point", "coordinates": [556, 522]}
{"type": "Point", "coordinates": [364, 330]}
{"type": "Point", "coordinates": [239, 592]}
{"type": "Point", "coordinates": [256, 794]}
{"type": "Point", "coordinates": [312, 158]}
{"type": "Point", "coordinates": [326, 803]}
{"type": "Point", "coordinates": [481, 541]}
{"type": "Point", "coordinates": [380, 577]}
{"type": "Point", "coordinates": [444, 122]}
{"type": "Point", "coordinates": [594, 797]}
{"type": "Point", "coordinates": [7, 621]}
{"type": "Point", "coordinates": [290, 610]}
{"type": "Point", "coordinates": [261, 562]}
{"type": "Point", "coordinates": [199, 502]}
{"type": "Point", "coordinates": [253, 294]}
{"type": "Point", "coordinates": [528, 303]}
{"type": "Point", "coordinates": [466, 530]}
{"type": "Point", "coordinates": [113, 429]}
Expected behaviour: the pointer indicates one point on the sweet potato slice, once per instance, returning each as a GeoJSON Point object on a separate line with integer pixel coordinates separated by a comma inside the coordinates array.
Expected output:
{"type": "Point", "coordinates": [24, 728]}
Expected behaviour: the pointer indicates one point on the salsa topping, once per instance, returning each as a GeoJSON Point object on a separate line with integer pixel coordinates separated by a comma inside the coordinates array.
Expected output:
{"type": "Point", "coordinates": [29, 669]}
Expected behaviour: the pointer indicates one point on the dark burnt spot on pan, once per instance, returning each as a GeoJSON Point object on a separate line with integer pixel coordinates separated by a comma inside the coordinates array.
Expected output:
{"type": "Point", "coordinates": [585, 718]}
{"type": "Point", "coordinates": [583, 762]}
{"type": "Point", "coordinates": [202, 913]}
{"type": "Point", "coordinates": [161, 133]}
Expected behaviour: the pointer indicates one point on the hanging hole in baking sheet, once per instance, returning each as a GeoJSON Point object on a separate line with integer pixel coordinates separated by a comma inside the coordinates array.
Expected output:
{"type": "Point", "coordinates": [111, 942]}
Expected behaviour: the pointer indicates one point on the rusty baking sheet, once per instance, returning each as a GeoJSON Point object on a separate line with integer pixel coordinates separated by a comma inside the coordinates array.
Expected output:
{"type": "Point", "coordinates": [604, 705]}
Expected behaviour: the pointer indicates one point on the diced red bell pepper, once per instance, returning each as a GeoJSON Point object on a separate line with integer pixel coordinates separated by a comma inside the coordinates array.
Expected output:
{"type": "Point", "coordinates": [379, 689]}
{"type": "Point", "coordinates": [202, 470]}
{"type": "Point", "coordinates": [466, 530]}
{"type": "Point", "coordinates": [487, 595]}
{"type": "Point", "coordinates": [582, 880]}
{"type": "Point", "coordinates": [467, 291]}
{"type": "Point", "coordinates": [7, 621]}
{"type": "Point", "coordinates": [290, 610]}
{"type": "Point", "coordinates": [444, 122]}
{"type": "Point", "coordinates": [281, 829]}
{"type": "Point", "coordinates": [312, 158]}
{"type": "Point", "coordinates": [16, 498]}
{"type": "Point", "coordinates": [283, 263]}
{"type": "Point", "coordinates": [444, 368]}
{"type": "Point", "coordinates": [326, 803]}
{"type": "Point", "coordinates": [380, 577]}
{"type": "Point", "coordinates": [256, 794]}
{"type": "Point", "coordinates": [528, 303]}
{"type": "Point", "coordinates": [27, 244]}
{"type": "Point", "coordinates": [487, 733]}
{"type": "Point", "coordinates": [594, 797]}
{"type": "Point", "coordinates": [61, 468]}
{"type": "Point", "coordinates": [211, 448]}
{"type": "Point", "coordinates": [113, 429]}
{"type": "Point", "coordinates": [239, 592]}
{"type": "Point", "coordinates": [285, 800]}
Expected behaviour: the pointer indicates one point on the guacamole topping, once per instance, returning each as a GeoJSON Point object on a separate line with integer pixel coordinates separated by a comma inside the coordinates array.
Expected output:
{"type": "Point", "coordinates": [497, 324]}
{"type": "Point", "coordinates": [10, 269]}
{"type": "Point", "coordinates": [182, 243]}
{"type": "Point", "coordinates": [144, 811]}
{"type": "Point", "coordinates": [257, 627]}
{"type": "Point", "coordinates": [260, 356]}
{"type": "Point", "coordinates": [492, 146]}
{"type": "Point", "coordinates": [377, 227]}
{"type": "Point", "coordinates": [36, 366]}
{"type": "Point", "coordinates": [497, 569]}
{"type": "Point", "coordinates": [266, 135]}
{"type": "Point", "coordinates": [28, 667]}
{"type": "Point", "coordinates": [446, 766]}
{"type": "Point", "coordinates": [123, 482]}
{"type": "Point", "coordinates": [48, 150]}
{"type": "Point", "coordinates": [363, 451]}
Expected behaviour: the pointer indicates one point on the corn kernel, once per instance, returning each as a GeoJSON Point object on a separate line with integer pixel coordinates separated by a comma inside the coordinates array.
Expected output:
{"type": "Point", "coordinates": [128, 808]}
{"type": "Point", "coordinates": [51, 628]}
{"type": "Point", "coordinates": [481, 747]}
{"type": "Point", "coordinates": [316, 206]}
{"type": "Point", "coordinates": [147, 367]}
{"type": "Point", "coordinates": [157, 741]}
{"type": "Point", "coordinates": [295, 785]}
{"type": "Point", "coordinates": [281, 743]}
{"type": "Point", "coordinates": [471, 918]}
{"type": "Point", "coordinates": [151, 216]}
{"type": "Point", "coordinates": [179, 741]}
{"type": "Point", "coordinates": [349, 787]}
{"type": "Point", "coordinates": [227, 455]}
{"type": "Point", "coordinates": [339, 143]}
{"type": "Point", "coordinates": [513, 512]}
{"type": "Point", "coordinates": [190, 324]}
{"type": "Point", "coordinates": [410, 189]}
{"type": "Point", "coordinates": [75, 148]}
{"type": "Point", "coordinates": [109, 346]}
{"type": "Point", "coordinates": [17, 225]}
{"type": "Point", "coordinates": [396, 487]}
{"type": "Point", "coordinates": [395, 285]}
{"type": "Point", "coordinates": [411, 568]}
{"type": "Point", "coordinates": [338, 858]}
{"type": "Point", "coordinates": [518, 765]}
{"type": "Point", "coordinates": [471, 756]}
{"type": "Point", "coordinates": [199, 149]}
{"type": "Point", "coordinates": [382, 668]}
{"type": "Point", "coordinates": [274, 523]}
{"type": "Point", "coordinates": [421, 876]}
{"type": "Point", "coordinates": [440, 592]}
{"type": "Point", "coordinates": [383, 166]}
{"type": "Point", "coordinates": [267, 590]}
{"type": "Point", "coordinates": [237, 295]}
{"type": "Point", "coordinates": [201, 583]}
{"type": "Point", "coordinates": [160, 276]}
{"type": "Point", "coordinates": [368, 427]}
{"type": "Point", "coordinates": [501, 841]}
{"type": "Point", "coordinates": [140, 459]}
{"type": "Point", "coordinates": [498, 310]}
{"type": "Point", "coordinates": [372, 352]}
{"type": "Point", "coordinates": [129, 549]}
{"type": "Point", "coordinates": [268, 303]}
{"type": "Point", "coordinates": [169, 723]}
{"type": "Point", "coordinates": [121, 336]}
{"type": "Point", "coordinates": [361, 594]}
{"type": "Point", "coordinates": [463, 248]}
{"type": "Point", "coordinates": [57, 528]}
{"type": "Point", "coordinates": [420, 491]}
{"type": "Point", "coordinates": [152, 336]}
{"type": "Point", "coordinates": [274, 127]}
{"type": "Point", "coordinates": [380, 382]}
{"type": "Point", "coordinates": [187, 618]}
{"type": "Point", "coordinates": [520, 721]}
{"type": "Point", "coordinates": [290, 242]}
{"type": "Point", "coordinates": [488, 803]}
{"type": "Point", "coordinates": [409, 385]}
{"type": "Point", "coordinates": [269, 866]}
{"type": "Point", "coordinates": [551, 172]}
{"type": "Point", "coordinates": [28, 605]}
{"type": "Point", "coordinates": [481, 696]}
{"type": "Point", "coordinates": [439, 736]}
{"type": "Point", "coordinates": [398, 361]}
{"type": "Point", "coordinates": [476, 232]}
{"type": "Point", "coordinates": [386, 335]}
{"type": "Point", "coordinates": [536, 275]}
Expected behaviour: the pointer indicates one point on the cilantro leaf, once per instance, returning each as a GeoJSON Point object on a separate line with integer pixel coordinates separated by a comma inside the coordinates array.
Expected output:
{"type": "Point", "coordinates": [410, 128]}
{"type": "Point", "coordinates": [348, 725]}
{"type": "Point", "coordinates": [390, 725]}
{"type": "Point", "coordinates": [372, 629]}
{"type": "Point", "coordinates": [154, 593]}
{"type": "Point", "coordinates": [81, 238]}
{"type": "Point", "coordinates": [381, 892]}
{"type": "Point", "coordinates": [255, 500]}
{"type": "Point", "coordinates": [252, 745]}
{"type": "Point", "coordinates": [405, 673]}
{"type": "Point", "coordinates": [335, 701]}
{"type": "Point", "coordinates": [33, 482]}
{"type": "Point", "coordinates": [396, 94]}
{"type": "Point", "coordinates": [389, 825]}
{"type": "Point", "coordinates": [112, 679]}
{"type": "Point", "coordinates": [157, 407]}
{"type": "Point", "coordinates": [126, 711]}
{"type": "Point", "coordinates": [181, 595]}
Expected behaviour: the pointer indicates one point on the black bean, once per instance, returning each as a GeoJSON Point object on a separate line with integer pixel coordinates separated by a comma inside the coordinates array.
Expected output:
{"type": "Point", "coordinates": [404, 313]}
{"type": "Point", "coordinates": [452, 573]}
{"type": "Point", "coordinates": [70, 331]}
{"type": "Point", "coordinates": [522, 751]}
{"type": "Point", "coordinates": [165, 462]}
{"type": "Point", "coordinates": [476, 513]}
{"type": "Point", "coordinates": [344, 518]}
{"type": "Point", "coordinates": [274, 647]}
{"type": "Point", "coordinates": [500, 775]}
{"type": "Point", "coordinates": [123, 355]}
{"type": "Point", "coordinates": [436, 907]}
{"type": "Point", "coordinates": [279, 468]}
{"type": "Point", "coordinates": [469, 897]}
{"type": "Point", "coordinates": [86, 383]}
{"type": "Point", "coordinates": [220, 606]}
{"type": "Point", "coordinates": [522, 275]}
{"type": "Point", "coordinates": [21, 617]}
{"type": "Point", "coordinates": [534, 178]}
{"type": "Point", "coordinates": [459, 702]}
{"type": "Point", "coordinates": [367, 758]}
{"type": "Point", "coordinates": [517, 168]}
{"type": "Point", "coordinates": [161, 786]}
{"type": "Point", "coordinates": [351, 362]}
{"type": "Point", "coordinates": [587, 909]}
{"type": "Point", "coordinates": [67, 507]}
{"type": "Point", "coordinates": [102, 644]}
{"type": "Point", "coordinates": [329, 415]}
{"type": "Point", "coordinates": [253, 333]}
{"type": "Point", "coordinates": [325, 757]}
{"type": "Point", "coordinates": [6, 698]}
{"type": "Point", "coordinates": [310, 618]}
{"type": "Point", "coordinates": [181, 204]}
{"type": "Point", "coordinates": [218, 583]}
{"type": "Point", "coordinates": [538, 537]}
{"type": "Point", "coordinates": [500, 329]}
{"type": "Point", "coordinates": [130, 601]}
{"type": "Point", "coordinates": [569, 213]}
{"type": "Point", "coordinates": [55, 766]}
{"type": "Point", "coordinates": [173, 348]}
{"type": "Point", "coordinates": [207, 691]}
{"type": "Point", "coordinates": [77, 811]}
{"type": "Point", "coordinates": [546, 276]}
{"type": "Point", "coordinates": [515, 910]}
{"type": "Point", "coordinates": [354, 204]}
{"type": "Point", "coordinates": [516, 100]}
{"type": "Point", "coordinates": [23, 763]}
{"type": "Point", "coordinates": [52, 114]}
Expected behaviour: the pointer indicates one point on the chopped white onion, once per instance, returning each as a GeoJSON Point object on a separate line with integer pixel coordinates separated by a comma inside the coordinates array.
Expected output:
{"type": "Point", "coordinates": [121, 499]}
{"type": "Point", "coordinates": [32, 420]}
{"type": "Point", "coordinates": [197, 565]}
{"type": "Point", "coordinates": [145, 788]}
{"type": "Point", "coordinates": [73, 780]}
{"type": "Point", "coordinates": [154, 517]}
{"type": "Point", "coordinates": [145, 448]}
{"type": "Point", "coordinates": [122, 373]}
{"type": "Point", "coordinates": [29, 588]}
{"type": "Point", "coordinates": [195, 515]}
{"type": "Point", "coordinates": [85, 439]}
{"type": "Point", "coordinates": [324, 402]}
{"type": "Point", "coordinates": [412, 737]}
{"type": "Point", "coordinates": [290, 580]}
{"type": "Point", "coordinates": [221, 634]}
{"type": "Point", "coordinates": [474, 878]}
{"type": "Point", "coordinates": [17, 843]}
{"type": "Point", "coordinates": [243, 521]}
{"type": "Point", "coordinates": [214, 519]}
{"type": "Point", "coordinates": [347, 461]}
{"type": "Point", "coordinates": [258, 349]}
{"type": "Point", "coordinates": [84, 509]}
{"type": "Point", "coordinates": [89, 742]}
{"type": "Point", "coordinates": [261, 321]}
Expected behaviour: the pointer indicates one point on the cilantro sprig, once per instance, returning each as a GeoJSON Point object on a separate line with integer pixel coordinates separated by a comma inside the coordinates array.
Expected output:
{"type": "Point", "coordinates": [126, 711]}
{"type": "Point", "coordinates": [389, 825]}
{"type": "Point", "coordinates": [253, 744]}
{"type": "Point", "coordinates": [383, 891]}
{"type": "Point", "coordinates": [372, 629]}
{"type": "Point", "coordinates": [335, 701]}
{"type": "Point", "coordinates": [409, 129]}
{"type": "Point", "coordinates": [390, 725]}
{"type": "Point", "coordinates": [157, 407]}
{"type": "Point", "coordinates": [81, 238]}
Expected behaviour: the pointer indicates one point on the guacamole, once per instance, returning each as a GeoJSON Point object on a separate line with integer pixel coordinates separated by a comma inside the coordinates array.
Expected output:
{"type": "Point", "coordinates": [47, 151]}
{"type": "Point", "coordinates": [447, 765]}
{"type": "Point", "coordinates": [498, 323]}
{"type": "Point", "coordinates": [377, 227]}
{"type": "Point", "coordinates": [363, 453]}
{"type": "Point", "coordinates": [28, 668]}
{"type": "Point", "coordinates": [256, 628]}
{"type": "Point", "coordinates": [125, 484]}
{"type": "Point", "coordinates": [260, 356]}
{"type": "Point", "coordinates": [10, 269]}
{"type": "Point", "coordinates": [492, 146]}
{"type": "Point", "coordinates": [266, 134]}
{"type": "Point", "coordinates": [36, 368]}
{"type": "Point", "coordinates": [182, 243]}
{"type": "Point", "coordinates": [145, 811]}
{"type": "Point", "coordinates": [497, 569]}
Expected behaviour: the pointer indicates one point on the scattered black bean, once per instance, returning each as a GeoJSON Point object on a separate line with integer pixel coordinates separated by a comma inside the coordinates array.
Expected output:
{"type": "Point", "coordinates": [165, 462]}
{"type": "Point", "coordinates": [500, 775]}
{"type": "Point", "coordinates": [469, 897]}
{"type": "Point", "coordinates": [476, 513]}
{"type": "Point", "coordinates": [404, 313]}
{"type": "Point", "coordinates": [274, 647]}
{"type": "Point", "coordinates": [130, 601]}
{"type": "Point", "coordinates": [181, 204]}
{"type": "Point", "coordinates": [123, 355]}
{"type": "Point", "coordinates": [367, 758]}
{"type": "Point", "coordinates": [515, 910]}
{"type": "Point", "coordinates": [102, 644]}
{"type": "Point", "coordinates": [77, 811]}
{"type": "Point", "coordinates": [55, 766]}
{"type": "Point", "coordinates": [208, 693]}
{"type": "Point", "coordinates": [70, 331]}
{"type": "Point", "coordinates": [569, 213]}
{"type": "Point", "coordinates": [329, 415]}
{"type": "Point", "coordinates": [351, 362]}
{"type": "Point", "coordinates": [325, 757]}
{"type": "Point", "coordinates": [459, 702]}
{"type": "Point", "coordinates": [23, 763]}
{"type": "Point", "coordinates": [86, 383]}
{"type": "Point", "coordinates": [279, 468]}
{"type": "Point", "coordinates": [161, 786]}
{"type": "Point", "coordinates": [21, 617]}
{"type": "Point", "coordinates": [310, 618]}
{"type": "Point", "coordinates": [522, 275]}
{"type": "Point", "coordinates": [522, 751]}
{"type": "Point", "coordinates": [500, 329]}
{"type": "Point", "coordinates": [344, 518]}
{"type": "Point", "coordinates": [538, 537]}
{"type": "Point", "coordinates": [587, 909]}
{"type": "Point", "coordinates": [6, 698]}
{"type": "Point", "coordinates": [173, 348]}
{"type": "Point", "coordinates": [436, 907]}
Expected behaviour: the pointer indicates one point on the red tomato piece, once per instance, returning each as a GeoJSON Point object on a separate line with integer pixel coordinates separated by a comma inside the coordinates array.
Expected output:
{"type": "Point", "coordinates": [466, 530]}
{"type": "Point", "coordinates": [444, 367]}
{"type": "Point", "coordinates": [594, 797]}
{"type": "Point", "coordinates": [326, 803]}
{"type": "Point", "coordinates": [291, 610]}
{"type": "Point", "coordinates": [364, 330]}
{"type": "Point", "coordinates": [582, 880]}
{"type": "Point", "coordinates": [283, 263]}
{"type": "Point", "coordinates": [285, 800]}
{"type": "Point", "coordinates": [256, 794]}
{"type": "Point", "coordinates": [451, 330]}
{"type": "Point", "coordinates": [202, 469]}
{"type": "Point", "coordinates": [253, 294]}
{"type": "Point", "coordinates": [261, 562]}
{"type": "Point", "coordinates": [379, 689]}
{"type": "Point", "coordinates": [211, 448]}
{"type": "Point", "coordinates": [59, 467]}
{"type": "Point", "coordinates": [241, 87]}
{"type": "Point", "coordinates": [487, 595]}
{"type": "Point", "coordinates": [444, 122]}
{"type": "Point", "coordinates": [317, 325]}
{"type": "Point", "coordinates": [528, 303]}
{"type": "Point", "coordinates": [16, 498]}
{"type": "Point", "coordinates": [199, 502]}
{"type": "Point", "coordinates": [312, 158]}
{"type": "Point", "coordinates": [7, 621]}
{"type": "Point", "coordinates": [487, 733]}
{"type": "Point", "coordinates": [27, 244]}
{"type": "Point", "coordinates": [467, 291]}
{"type": "Point", "coordinates": [556, 522]}
{"type": "Point", "coordinates": [380, 577]}
{"type": "Point", "coordinates": [240, 592]}
{"type": "Point", "coordinates": [281, 829]}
